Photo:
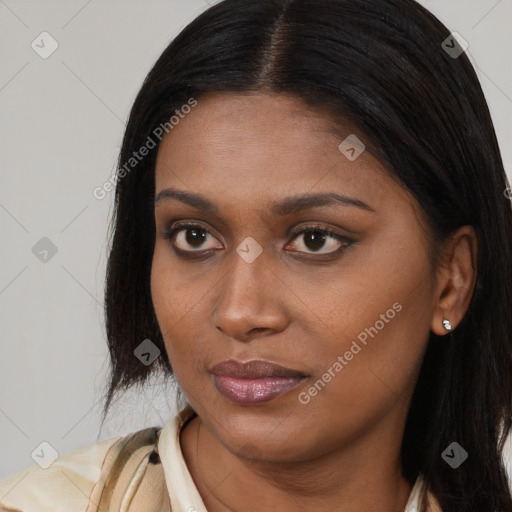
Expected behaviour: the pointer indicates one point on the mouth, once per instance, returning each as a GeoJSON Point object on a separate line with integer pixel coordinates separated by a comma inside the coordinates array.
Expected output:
{"type": "Point", "coordinates": [254, 382]}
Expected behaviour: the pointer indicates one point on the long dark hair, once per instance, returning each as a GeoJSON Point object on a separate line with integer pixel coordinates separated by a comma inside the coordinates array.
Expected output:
{"type": "Point", "coordinates": [381, 65]}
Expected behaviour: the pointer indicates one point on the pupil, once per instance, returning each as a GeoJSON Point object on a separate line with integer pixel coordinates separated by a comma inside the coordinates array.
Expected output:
{"type": "Point", "coordinates": [315, 240]}
{"type": "Point", "coordinates": [193, 237]}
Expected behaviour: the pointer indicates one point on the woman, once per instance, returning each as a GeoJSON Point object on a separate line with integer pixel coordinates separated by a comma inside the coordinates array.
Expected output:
{"type": "Point", "coordinates": [311, 235]}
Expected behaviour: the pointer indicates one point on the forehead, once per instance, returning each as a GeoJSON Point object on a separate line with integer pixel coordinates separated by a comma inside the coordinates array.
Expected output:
{"type": "Point", "coordinates": [264, 145]}
{"type": "Point", "coordinates": [267, 120]}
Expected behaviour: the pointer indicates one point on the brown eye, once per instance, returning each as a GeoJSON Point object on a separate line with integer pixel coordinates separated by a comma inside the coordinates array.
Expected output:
{"type": "Point", "coordinates": [315, 238]}
{"type": "Point", "coordinates": [189, 237]}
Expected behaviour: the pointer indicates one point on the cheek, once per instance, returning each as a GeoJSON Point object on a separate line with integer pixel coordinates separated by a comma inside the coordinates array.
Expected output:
{"type": "Point", "coordinates": [163, 291]}
{"type": "Point", "coordinates": [179, 301]}
{"type": "Point", "coordinates": [373, 345]}
{"type": "Point", "coordinates": [169, 297]}
{"type": "Point", "coordinates": [174, 290]}
{"type": "Point", "coordinates": [364, 372]}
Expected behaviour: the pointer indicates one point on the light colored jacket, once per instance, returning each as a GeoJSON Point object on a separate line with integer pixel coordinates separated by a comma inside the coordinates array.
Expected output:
{"type": "Point", "coordinates": [142, 472]}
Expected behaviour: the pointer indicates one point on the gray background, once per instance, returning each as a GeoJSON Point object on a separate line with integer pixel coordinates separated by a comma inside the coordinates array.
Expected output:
{"type": "Point", "coordinates": [62, 123]}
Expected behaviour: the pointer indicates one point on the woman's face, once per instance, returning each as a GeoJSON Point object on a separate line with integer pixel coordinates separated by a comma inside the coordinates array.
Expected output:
{"type": "Point", "coordinates": [349, 317]}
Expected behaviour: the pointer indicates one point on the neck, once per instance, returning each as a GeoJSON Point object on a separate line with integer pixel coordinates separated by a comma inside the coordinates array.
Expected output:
{"type": "Point", "coordinates": [363, 475]}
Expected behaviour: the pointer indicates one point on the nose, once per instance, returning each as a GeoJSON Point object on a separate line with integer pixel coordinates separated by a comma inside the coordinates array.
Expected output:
{"type": "Point", "coordinates": [250, 300]}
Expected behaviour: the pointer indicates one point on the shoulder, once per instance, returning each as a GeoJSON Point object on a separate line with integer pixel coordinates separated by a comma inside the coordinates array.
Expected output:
{"type": "Point", "coordinates": [74, 478]}
{"type": "Point", "coordinates": [65, 485]}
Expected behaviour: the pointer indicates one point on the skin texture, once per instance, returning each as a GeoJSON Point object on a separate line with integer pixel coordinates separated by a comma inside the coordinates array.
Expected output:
{"type": "Point", "coordinates": [341, 450]}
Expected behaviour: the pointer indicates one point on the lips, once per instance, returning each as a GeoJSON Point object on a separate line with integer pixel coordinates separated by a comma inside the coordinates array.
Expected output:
{"type": "Point", "coordinates": [254, 369]}
{"type": "Point", "coordinates": [254, 382]}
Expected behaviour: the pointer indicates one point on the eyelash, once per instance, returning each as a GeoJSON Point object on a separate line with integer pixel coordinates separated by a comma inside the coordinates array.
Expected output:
{"type": "Point", "coordinates": [169, 235]}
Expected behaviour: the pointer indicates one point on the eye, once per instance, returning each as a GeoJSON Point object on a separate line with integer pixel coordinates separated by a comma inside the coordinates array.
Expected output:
{"type": "Point", "coordinates": [315, 238]}
{"type": "Point", "coordinates": [190, 238]}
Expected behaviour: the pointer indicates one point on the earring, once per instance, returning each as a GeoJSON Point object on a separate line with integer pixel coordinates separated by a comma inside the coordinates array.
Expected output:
{"type": "Point", "coordinates": [447, 325]}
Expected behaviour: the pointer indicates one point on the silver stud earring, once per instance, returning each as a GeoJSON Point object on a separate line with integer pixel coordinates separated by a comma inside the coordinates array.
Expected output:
{"type": "Point", "coordinates": [447, 325]}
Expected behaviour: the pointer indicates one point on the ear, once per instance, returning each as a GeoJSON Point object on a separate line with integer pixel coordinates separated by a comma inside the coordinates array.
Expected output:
{"type": "Point", "coordinates": [456, 278]}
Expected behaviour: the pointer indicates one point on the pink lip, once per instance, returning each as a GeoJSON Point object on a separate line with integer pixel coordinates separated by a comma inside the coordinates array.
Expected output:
{"type": "Point", "coordinates": [254, 391]}
{"type": "Point", "coordinates": [255, 381]}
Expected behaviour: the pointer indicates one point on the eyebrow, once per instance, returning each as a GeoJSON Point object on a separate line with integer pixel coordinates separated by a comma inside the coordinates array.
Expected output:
{"type": "Point", "coordinates": [281, 208]}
